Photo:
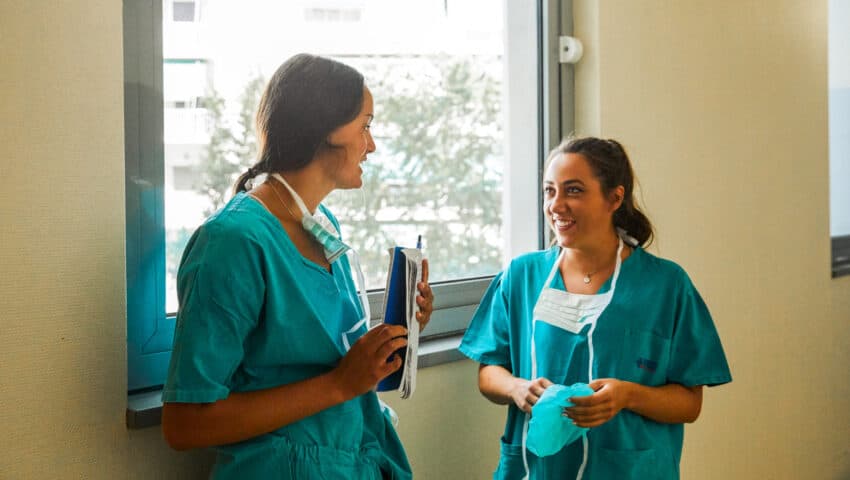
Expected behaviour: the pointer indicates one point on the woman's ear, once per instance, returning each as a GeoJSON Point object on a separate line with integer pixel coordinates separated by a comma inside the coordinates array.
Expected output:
{"type": "Point", "coordinates": [330, 140]}
{"type": "Point", "coordinates": [333, 139]}
{"type": "Point", "coordinates": [330, 143]}
{"type": "Point", "coordinates": [616, 197]}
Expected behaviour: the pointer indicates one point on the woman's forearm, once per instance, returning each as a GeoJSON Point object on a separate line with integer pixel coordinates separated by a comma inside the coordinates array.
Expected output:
{"type": "Point", "coordinates": [244, 415]}
{"type": "Point", "coordinates": [671, 403]}
{"type": "Point", "coordinates": [497, 383]}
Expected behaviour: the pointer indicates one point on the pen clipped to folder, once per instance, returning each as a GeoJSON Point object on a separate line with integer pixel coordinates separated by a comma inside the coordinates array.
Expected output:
{"type": "Point", "coordinates": [405, 273]}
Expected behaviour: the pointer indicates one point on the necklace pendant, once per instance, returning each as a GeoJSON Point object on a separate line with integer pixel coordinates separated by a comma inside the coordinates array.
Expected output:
{"type": "Point", "coordinates": [586, 279]}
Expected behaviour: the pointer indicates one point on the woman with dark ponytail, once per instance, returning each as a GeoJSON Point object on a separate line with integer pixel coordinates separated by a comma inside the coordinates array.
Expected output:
{"type": "Point", "coordinates": [273, 366]}
{"type": "Point", "coordinates": [594, 339]}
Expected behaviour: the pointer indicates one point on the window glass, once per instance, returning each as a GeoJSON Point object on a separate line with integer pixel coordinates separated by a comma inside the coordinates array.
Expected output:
{"type": "Point", "coordinates": [839, 117]}
{"type": "Point", "coordinates": [436, 70]}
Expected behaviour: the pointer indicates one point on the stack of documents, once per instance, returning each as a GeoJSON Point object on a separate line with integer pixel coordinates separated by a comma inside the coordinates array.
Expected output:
{"type": "Point", "coordinates": [400, 308]}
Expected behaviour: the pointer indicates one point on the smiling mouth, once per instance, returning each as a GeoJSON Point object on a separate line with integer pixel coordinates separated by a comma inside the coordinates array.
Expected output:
{"type": "Point", "coordinates": [563, 224]}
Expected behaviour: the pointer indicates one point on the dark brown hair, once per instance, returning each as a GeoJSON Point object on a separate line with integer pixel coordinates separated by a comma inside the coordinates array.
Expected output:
{"type": "Point", "coordinates": [307, 98]}
{"type": "Point", "coordinates": [611, 167]}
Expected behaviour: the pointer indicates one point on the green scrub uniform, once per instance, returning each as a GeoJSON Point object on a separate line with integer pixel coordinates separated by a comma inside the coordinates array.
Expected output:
{"type": "Point", "coordinates": [255, 314]}
{"type": "Point", "coordinates": [655, 331]}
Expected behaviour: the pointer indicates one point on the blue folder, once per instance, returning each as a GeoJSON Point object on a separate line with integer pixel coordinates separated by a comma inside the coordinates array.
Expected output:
{"type": "Point", "coordinates": [394, 313]}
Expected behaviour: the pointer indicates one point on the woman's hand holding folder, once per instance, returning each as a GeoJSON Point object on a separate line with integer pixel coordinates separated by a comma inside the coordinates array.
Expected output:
{"type": "Point", "coordinates": [425, 299]}
{"type": "Point", "coordinates": [366, 363]}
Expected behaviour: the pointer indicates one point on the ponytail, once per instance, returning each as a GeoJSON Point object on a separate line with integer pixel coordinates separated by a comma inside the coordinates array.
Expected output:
{"type": "Point", "coordinates": [631, 219]}
{"type": "Point", "coordinates": [243, 182]}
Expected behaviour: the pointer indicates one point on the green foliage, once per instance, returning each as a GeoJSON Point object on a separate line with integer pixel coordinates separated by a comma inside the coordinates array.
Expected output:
{"type": "Point", "coordinates": [437, 171]}
{"type": "Point", "coordinates": [230, 150]}
{"type": "Point", "coordinates": [245, 140]}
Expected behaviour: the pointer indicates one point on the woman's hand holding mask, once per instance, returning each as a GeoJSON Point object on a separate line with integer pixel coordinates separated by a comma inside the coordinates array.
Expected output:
{"type": "Point", "coordinates": [528, 392]}
{"type": "Point", "coordinates": [592, 411]}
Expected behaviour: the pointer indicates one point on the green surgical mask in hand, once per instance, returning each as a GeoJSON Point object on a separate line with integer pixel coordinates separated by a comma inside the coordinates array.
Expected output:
{"type": "Point", "coordinates": [549, 430]}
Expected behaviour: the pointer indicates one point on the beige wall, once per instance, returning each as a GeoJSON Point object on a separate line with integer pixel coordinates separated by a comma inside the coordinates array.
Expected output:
{"type": "Point", "coordinates": [723, 107]}
{"type": "Point", "coordinates": [724, 111]}
{"type": "Point", "coordinates": [449, 430]}
{"type": "Point", "coordinates": [63, 374]}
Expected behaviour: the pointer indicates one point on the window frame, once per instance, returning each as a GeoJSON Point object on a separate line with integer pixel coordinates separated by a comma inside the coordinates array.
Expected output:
{"type": "Point", "coordinates": [150, 329]}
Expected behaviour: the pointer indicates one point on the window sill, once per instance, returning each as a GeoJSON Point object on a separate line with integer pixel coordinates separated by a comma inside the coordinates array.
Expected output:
{"type": "Point", "coordinates": [840, 256]}
{"type": "Point", "coordinates": [145, 409]}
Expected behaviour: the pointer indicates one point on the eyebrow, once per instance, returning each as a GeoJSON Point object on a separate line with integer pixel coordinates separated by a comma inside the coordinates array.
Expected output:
{"type": "Point", "coordinates": [565, 182]}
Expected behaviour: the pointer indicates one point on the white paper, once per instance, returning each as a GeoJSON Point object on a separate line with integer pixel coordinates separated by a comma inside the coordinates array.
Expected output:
{"type": "Point", "coordinates": [413, 275]}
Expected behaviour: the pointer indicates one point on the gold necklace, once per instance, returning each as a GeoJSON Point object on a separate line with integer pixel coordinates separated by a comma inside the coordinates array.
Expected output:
{"type": "Point", "coordinates": [285, 204]}
{"type": "Point", "coordinates": [587, 276]}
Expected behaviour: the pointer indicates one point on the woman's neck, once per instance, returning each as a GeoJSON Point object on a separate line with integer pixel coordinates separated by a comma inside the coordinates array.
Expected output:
{"type": "Point", "coordinates": [310, 185]}
{"type": "Point", "coordinates": [595, 256]}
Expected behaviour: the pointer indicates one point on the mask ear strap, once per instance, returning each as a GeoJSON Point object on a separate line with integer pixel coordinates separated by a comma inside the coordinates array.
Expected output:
{"type": "Point", "coordinates": [361, 285]}
{"type": "Point", "coordinates": [364, 300]}
{"type": "Point", "coordinates": [554, 270]}
{"type": "Point", "coordinates": [292, 192]}
{"type": "Point", "coordinates": [632, 241]}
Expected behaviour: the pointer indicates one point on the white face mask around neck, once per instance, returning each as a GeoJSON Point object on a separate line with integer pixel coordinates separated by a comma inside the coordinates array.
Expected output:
{"type": "Point", "coordinates": [323, 232]}
{"type": "Point", "coordinates": [571, 312]}
{"type": "Point", "coordinates": [328, 237]}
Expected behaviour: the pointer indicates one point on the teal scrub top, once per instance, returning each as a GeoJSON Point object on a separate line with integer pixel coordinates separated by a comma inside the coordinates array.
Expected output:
{"type": "Point", "coordinates": [255, 314]}
{"type": "Point", "coordinates": [656, 330]}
